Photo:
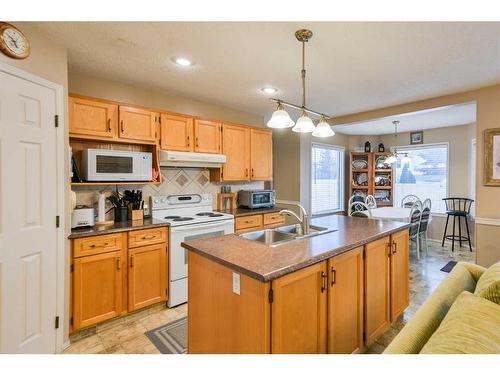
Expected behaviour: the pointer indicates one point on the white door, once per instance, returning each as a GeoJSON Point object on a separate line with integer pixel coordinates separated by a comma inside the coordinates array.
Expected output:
{"type": "Point", "coordinates": [28, 209]}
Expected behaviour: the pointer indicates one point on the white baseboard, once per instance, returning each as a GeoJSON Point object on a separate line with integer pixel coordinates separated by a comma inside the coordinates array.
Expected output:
{"type": "Point", "coordinates": [487, 221]}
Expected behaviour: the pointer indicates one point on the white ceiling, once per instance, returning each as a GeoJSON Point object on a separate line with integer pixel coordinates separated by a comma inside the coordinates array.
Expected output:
{"type": "Point", "coordinates": [351, 66]}
{"type": "Point", "coordinates": [441, 117]}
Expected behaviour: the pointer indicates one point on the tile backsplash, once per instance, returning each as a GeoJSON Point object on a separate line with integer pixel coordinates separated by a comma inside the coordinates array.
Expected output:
{"type": "Point", "coordinates": [175, 181]}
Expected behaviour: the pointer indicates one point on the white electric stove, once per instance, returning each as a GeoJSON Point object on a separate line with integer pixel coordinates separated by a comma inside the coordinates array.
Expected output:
{"type": "Point", "coordinates": [190, 217]}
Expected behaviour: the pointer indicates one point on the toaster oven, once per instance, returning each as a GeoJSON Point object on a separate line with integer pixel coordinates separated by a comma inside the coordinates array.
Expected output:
{"type": "Point", "coordinates": [256, 198]}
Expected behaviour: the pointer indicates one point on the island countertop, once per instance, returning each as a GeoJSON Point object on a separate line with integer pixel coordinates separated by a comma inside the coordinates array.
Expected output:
{"type": "Point", "coordinates": [266, 263]}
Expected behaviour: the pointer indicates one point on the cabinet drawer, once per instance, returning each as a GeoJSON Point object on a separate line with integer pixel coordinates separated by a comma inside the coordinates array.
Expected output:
{"type": "Point", "coordinates": [273, 218]}
{"type": "Point", "coordinates": [246, 222]}
{"type": "Point", "coordinates": [97, 244]}
{"type": "Point", "coordinates": [147, 237]}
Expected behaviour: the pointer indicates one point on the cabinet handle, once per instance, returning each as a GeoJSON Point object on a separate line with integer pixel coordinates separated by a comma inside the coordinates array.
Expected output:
{"type": "Point", "coordinates": [118, 264]}
{"type": "Point", "coordinates": [188, 140]}
{"type": "Point", "coordinates": [252, 172]}
{"type": "Point", "coordinates": [334, 276]}
{"type": "Point", "coordinates": [103, 245]}
{"type": "Point", "coordinates": [109, 125]}
{"type": "Point", "coordinates": [147, 238]}
{"type": "Point", "coordinates": [196, 140]}
{"type": "Point", "coordinates": [246, 172]}
{"type": "Point", "coordinates": [131, 261]}
{"type": "Point", "coordinates": [121, 125]}
{"type": "Point", "coordinates": [395, 247]}
{"type": "Point", "coordinates": [323, 281]}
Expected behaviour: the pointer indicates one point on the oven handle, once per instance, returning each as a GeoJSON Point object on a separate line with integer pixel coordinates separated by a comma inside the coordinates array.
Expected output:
{"type": "Point", "coordinates": [201, 226]}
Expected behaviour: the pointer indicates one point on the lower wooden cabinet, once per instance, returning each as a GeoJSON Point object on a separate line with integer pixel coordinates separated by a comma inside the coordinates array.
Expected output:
{"type": "Point", "coordinates": [147, 276]}
{"type": "Point", "coordinates": [97, 288]}
{"type": "Point", "coordinates": [299, 310]}
{"type": "Point", "coordinates": [345, 303]}
{"type": "Point", "coordinates": [400, 279]}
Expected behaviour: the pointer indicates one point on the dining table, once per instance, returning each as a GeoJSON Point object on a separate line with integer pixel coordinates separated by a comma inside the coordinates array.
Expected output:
{"type": "Point", "coordinates": [393, 213]}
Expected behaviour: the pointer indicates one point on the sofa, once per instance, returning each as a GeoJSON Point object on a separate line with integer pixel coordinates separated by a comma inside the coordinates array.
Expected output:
{"type": "Point", "coordinates": [461, 316]}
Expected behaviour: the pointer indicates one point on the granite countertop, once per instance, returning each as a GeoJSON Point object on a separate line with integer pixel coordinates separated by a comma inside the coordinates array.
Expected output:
{"type": "Point", "coordinates": [266, 263]}
{"type": "Point", "coordinates": [120, 226]}
{"type": "Point", "coordinates": [252, 211]}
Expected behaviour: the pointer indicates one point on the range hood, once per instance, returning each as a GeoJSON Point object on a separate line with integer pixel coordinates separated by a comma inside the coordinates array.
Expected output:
{"type": "Point", "coordinates": [191, 159]}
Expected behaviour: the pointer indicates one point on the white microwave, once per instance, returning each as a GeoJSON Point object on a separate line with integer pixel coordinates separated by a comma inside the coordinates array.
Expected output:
{"type": "Point", "coordinates": [113, 165]}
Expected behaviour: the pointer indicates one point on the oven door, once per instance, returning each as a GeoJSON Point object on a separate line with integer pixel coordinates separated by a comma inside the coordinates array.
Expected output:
{"type": "Point", "coordinates": [183, 233]}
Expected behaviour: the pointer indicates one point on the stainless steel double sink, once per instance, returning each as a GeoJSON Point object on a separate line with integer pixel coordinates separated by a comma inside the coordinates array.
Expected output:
{"type": "Point", "coordinates": [281, 235]}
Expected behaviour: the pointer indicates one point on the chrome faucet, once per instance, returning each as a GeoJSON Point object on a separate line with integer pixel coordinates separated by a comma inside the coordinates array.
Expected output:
{"type": "Point", "coordinates": [303, 219]}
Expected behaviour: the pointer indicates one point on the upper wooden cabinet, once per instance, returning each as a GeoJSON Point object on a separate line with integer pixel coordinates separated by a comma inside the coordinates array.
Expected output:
{"type": "Point", "coordinates": [377, 289]}
{"type": "Point", "coordinates": [207, 136]}
{"type": "Point", "coordinates": [92, 118]}
{"type": "Point", "coordinates": [261, 155]}
{"type": "Point", "coordinates": [345, 303]}
{"type": "Point", "coordinates": [298, 312]}
{"type": "Point", "coordinates": [236, 147]}
{"type": "Point", "coordinates": [137, 124]}
{"type": "Point", "coordinates": [176, 132]}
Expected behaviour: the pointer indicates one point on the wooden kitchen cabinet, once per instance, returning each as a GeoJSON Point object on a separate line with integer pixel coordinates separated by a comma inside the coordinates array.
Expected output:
{"type": "Point", "coordinates": [137, 124]}
{"type": "Point", "coordinates": [345, 302]}
{"type": "Point", "coordinates": [97, 288]}
{"type": "Point", "coordinates": [377, 289]}
{"type": "Point", "coordinates": [236, 147]}
{"type": "Point", "coordinates": [147, 276]}
{"type": "Point", "coordinates": [400, 279]}
{"type": "Point", "coordinates": [261, 155]}
{"type": "Point", "coordinates": [299, 311]}
{"type": "Point", "coordinates": [92, 118]}
{"type": "Point", "coordinates": [207, 136]}
{"type": "Point", "coordinates": [176, 132]}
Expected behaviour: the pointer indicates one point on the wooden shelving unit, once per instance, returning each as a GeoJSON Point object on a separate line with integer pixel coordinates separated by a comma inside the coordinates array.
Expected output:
{"type": "Point", "coordinates": [378, 182]}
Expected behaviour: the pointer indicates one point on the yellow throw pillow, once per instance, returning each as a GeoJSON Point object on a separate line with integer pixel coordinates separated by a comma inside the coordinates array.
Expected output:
{"type": "Point", "coordinates": [488, 285]}
{"type": "Point", "coordinates": [472, 326]}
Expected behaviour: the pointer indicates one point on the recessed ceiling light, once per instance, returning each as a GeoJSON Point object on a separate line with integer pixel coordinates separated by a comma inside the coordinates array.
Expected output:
{"type": "Point", "coordinates": [182, 61]}
{"type": "Point", "coordinates": [269, 90]}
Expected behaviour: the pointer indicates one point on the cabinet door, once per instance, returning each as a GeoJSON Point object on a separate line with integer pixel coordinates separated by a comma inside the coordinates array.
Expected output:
{"type": "Point", "coordinates": [176, 133]}
{"type": "Point", "coordinates": [298, 311]}
{"type": "Point", "coordinates": [137, 124]}
{"type": "Point", "coordinates": [261, 155]}
{"type": "Point", "coordinates": [377, 289]}
{"type": "Point", "coordinates": [147, 276]}
{"type": "Point", "coordinates": [207, 136]}
{"type": "Point", "coordinates": [236, 147]}
{"type": "Point", "coordinates": [400, 280]}
{"type": "Point", "coordinates": [97, 288]}
{"type": "Point", "coordinates": [92, 118]}
{"type": "Point", "coordinates": [345, 303]}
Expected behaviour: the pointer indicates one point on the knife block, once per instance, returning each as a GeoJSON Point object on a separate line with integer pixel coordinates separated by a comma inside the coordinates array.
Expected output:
{"type": "Point", "coordinates": [135, 215]}
{"type": "Point", "coordinates": [223, 198]}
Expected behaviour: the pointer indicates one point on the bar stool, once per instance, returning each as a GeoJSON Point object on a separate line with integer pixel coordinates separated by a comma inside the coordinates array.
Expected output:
{"type": "Point", "coordinates": [457, 207]}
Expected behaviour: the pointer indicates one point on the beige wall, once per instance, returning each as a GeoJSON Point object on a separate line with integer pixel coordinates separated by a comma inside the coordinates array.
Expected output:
{"type": "Point", "coordinates": [488, 116]}
{"type": "Point", "coordinates": [117, 91]}
{"type": "Point", "coordinates": [286, 164]}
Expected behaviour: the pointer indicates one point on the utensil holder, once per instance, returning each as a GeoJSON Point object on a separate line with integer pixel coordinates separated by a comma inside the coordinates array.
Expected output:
{"type": "Point", "coordinates": [135, 214]}
{"type": "Point", "coordinates": [121, 214]}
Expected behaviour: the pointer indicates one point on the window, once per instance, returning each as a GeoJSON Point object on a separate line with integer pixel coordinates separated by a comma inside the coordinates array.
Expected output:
{"type": "Point", "coordinates": [422, 171]}
{"type": "Point", "coordinates": [327, 171]}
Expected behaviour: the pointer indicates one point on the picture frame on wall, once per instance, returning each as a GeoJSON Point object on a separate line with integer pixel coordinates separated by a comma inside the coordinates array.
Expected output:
{"type": "Point", "coordinates": [416, 138]}
{"type": "Point", "coordinates": [491, 171]}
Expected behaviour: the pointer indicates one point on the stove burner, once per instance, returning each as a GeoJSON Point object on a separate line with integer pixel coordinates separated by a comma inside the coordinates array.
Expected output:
{"type": "Point", "coordinates": [209, 214]}
{"type": "Point", "coordinates": [172, 217]}
{"type": "Point", "coordinates": [183, 219]}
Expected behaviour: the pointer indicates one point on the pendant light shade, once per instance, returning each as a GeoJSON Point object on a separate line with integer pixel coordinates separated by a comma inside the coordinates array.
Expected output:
{"type": "Point", "coordinates": [304, 124]}
{"type": "Point", "coordinates": [280, 119]}
{"type": "Point", "coordinates": [391, 159]}
{"type": "Point", "coordinates": [323, 129]}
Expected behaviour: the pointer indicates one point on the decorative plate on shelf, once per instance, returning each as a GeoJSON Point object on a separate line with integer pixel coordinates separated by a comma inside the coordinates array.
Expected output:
{"type": "Point", "coordinates": [361, 179]}
{"type": "Point", "coordinates": [380, 163]}
{"type": "Point", "coordinates": [361, 193]}
{"type": "Point", "coordinates": [359, 164]}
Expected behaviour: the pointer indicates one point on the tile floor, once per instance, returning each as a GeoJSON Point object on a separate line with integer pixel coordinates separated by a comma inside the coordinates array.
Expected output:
{"type": "Point", "coordinates": [126, 335]}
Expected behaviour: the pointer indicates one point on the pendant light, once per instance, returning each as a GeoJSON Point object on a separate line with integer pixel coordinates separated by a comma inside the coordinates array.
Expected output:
{"type": "Point", "coordinates": [393, 156]}
{"type": "Point", "coordinates": [281, 119]}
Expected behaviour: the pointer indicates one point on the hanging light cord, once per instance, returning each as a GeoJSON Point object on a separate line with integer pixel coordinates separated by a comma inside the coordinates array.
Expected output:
{"type": "Point", "coordinates": [303, 73]}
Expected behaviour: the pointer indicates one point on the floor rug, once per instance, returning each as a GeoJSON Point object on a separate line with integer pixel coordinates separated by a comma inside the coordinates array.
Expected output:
{"type": "Point", "coordinates": [449, 266]}
{"type": "Point", "coordinates": [170, 338]}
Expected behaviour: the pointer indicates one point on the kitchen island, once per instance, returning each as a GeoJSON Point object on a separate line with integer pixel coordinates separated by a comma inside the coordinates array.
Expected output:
{"type": "Point", "coordinates": [331, 293]}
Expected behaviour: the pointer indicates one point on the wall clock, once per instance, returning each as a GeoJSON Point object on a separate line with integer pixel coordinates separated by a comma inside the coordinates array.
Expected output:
{"type": "Point", "coordinates": [13, 42]}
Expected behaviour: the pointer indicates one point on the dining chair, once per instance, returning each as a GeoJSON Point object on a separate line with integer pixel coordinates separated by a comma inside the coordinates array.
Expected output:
{"type": "Point", "coordinates": [360, 209]}
{"type": "Point", "coordinates": [415, 215]}
{"type": "Point", "coordinates": [370, 201]}
{"type": "Point", "coordinates": [424, 224]}
{"type": "Point", "coordinates": [409, 200]}
{"type": "Point", "coordinates": [427, 203]}
{"type": "Point", "coordinates": [353, 199]}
